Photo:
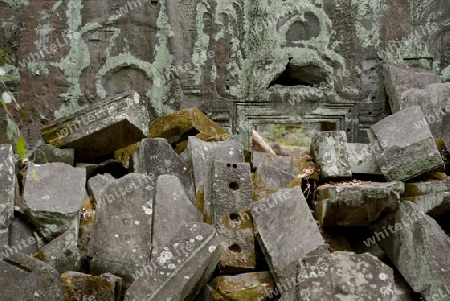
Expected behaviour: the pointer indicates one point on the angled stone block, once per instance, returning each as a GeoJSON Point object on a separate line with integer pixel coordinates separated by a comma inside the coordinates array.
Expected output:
{"type": "Point", "coordinates": [94, 132]}
{"type": "Point", "coordinates": [8, 183]}
{"type": "Point", "coordinates": [403, 151]}
{"type": "Point", "coordinates": [172, 208]}
{"type": "Point", "coordinates": [330, 152]}
{"type": "Point", "coordinates": [53, 196]}
{"type": "Point", "coordinates": [418, 247]}
{"type": "Point", "coordinates": [284, 219]}
{"type": "Point", "coordinates": [181, 269]}
{"type": "Point", "coordinates": [156, 157]}
{"type": "Point", "coordinates": [400, 79]}
{"type": "Point", "coordinates": [121, 239]}
{"type": "Point", "coordinates": [47, 153]}
{"type": "Point", "coordinates": [274, 178]}
{"type": "Point", "coordinates": [362, 160]}
{"type": "Point", "coordinates": [356, 205]}
{"type": "Point", "coordinates": [201, 155]}
{"type": "Point", "coordinates": [22, 237]}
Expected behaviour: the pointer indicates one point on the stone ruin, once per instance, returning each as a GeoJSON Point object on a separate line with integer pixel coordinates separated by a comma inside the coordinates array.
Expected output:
{"type": "Point", "coordinates": [144, 177]}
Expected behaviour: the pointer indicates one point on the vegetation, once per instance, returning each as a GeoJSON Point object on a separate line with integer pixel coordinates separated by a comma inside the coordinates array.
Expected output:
{"type": "Point", "coordinates": [288, 135]}
{"type": "Point", "coordinates": [6, 99]}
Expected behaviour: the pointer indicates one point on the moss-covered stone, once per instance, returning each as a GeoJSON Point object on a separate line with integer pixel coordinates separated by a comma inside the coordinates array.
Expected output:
{"type": "Point", "coordinates": [124, 154]}
{"type": "Point", "coordinates": [177, 126]}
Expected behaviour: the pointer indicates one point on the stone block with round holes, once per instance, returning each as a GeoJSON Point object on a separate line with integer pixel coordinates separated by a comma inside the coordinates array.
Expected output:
{"type": "Point", "coordinates": [232, 194]}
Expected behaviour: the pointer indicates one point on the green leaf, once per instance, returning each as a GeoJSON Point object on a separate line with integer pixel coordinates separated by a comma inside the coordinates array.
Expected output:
{"type": "Point", "coordinates": [24, 114]}
{"type": "Point", "coordinates": [10, 129]}
{"type": "Point", "coordinates": [34, 174]}
{"type": "Point", "coordinates": [3, 103]}
{"type": "Point", "coordinates": [4, 53]}
{"type": "Point", "coordinates": [9, 76]}
{"type": "Point", "coordinates": [21, 146]}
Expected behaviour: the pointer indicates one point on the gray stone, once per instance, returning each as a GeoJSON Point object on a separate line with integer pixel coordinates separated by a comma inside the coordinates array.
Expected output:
{"type": "Point", "coordinates": [172, 208]}
{"type": "Point", "coordinates": [94, 132]}
{"type": "Point", "coordinates": [181, 269]}
{"type": "Point", "coordinates": [330, 152]}
{"type": "Point", "coordinates": [356, 205]}
{"type": "Point", "coordinates": [96, 184]}
{"type": "Point", "coordinates": [434, 100]}
{"type": "Point", "coordinates": [284, 219]}
{"type": "Point", "coordinates": [418, 247]}
{"type": "Point", "coordinates": [8, 183]}
{"type": "Point", "coordinates": [340, 276]}
{"type": "Point", "coordinates": [282, 162]}
{"type": "Point", "coordinates": [121, 239]}
{"type": "Point", "coordinates": [400, 79]}
{"type": "Point", "coordinates": [413, 189]}
{"type": "Point", "coordinates": [362, 160]}
{"type": "Point", "coordinates": [113, 167]}
{"type": "Point", "coordinates": [202, 154]}
{"type": "Point", "coordinates": [25, 278]}
{"type": "Point", "coordinates": [23, 236]}
{"type": "Point", "coordinates": [47, 153]}
{"type": "Point", "coordinates": [433, 204]}
{"type": "Point", "coordinates": [53, 196]}
{"type": "Point", "coordinates": [272, 177]}
{"type": "Point", "coordinates": [62, 252]}
{"type": "Point", "coordinates": [403, 151]}
{"type": "Point", "coordinates": [445, 130]}
{"type": "Point", "coordinates": [79, 286]}
{"type": "Point", "coordinates": [156, 157]}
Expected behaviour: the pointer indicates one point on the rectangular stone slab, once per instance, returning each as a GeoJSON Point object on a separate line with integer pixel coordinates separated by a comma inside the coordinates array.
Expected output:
{"type": "Point", "coordinates": [8, 182]}
{"type": "Point", "coordinates": [94, 132]}
{"type": "Point", "coordinates": [362, 160]}
{"type": "Point", "coordinates": [181, 269]}
{"type": "Point", "coordinates": [286, 229]}
{"type": "Point", "coordinates": [404, 151]}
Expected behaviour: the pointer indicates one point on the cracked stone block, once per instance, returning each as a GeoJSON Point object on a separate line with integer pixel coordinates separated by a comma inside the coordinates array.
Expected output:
{"type": "Point", "coordinates": [418, 247]}
{"type": "Point", "coordinates": [284, 219]}
{"type": "Point", "coordinates": [8, 183]}
{"type": "Point", "coordinates": [156, 157]}
{"type": "Point", "coordinates": [25, 278]}
{"type": "Point", "coordinates": [330, 152]}
{"type": "Point", "coordinates": [362, 160]}
{"type": "Point", "coordinates": [53, 196]}
{"type": "Point", "coordinates": [202, 154]}
{"type": "Point", "coordinates": [122, 235]}
{"type": "Point", "coordinates": [356, 205]}
{"type": "Point", "coordinates": [181, 269]}
{"type": "Point", "coordinates": [434, 100]}
{"type": "Point", "coordinates": [79, 286]}
{"type": "Point", "coordinates": [177, 126]}
{"type": "Point", "coordinates": [172, 208]}
{"type": "Point", "coordinates": [398, 79]}
{"type": "Point", "coordinates": [340, 275]}
{"type": "Point", "coordinates": [274, 178]}
{"type": "Point", "coordinates": [47, 153]}
{"type": "Point", "coordinates": [247, 286]}
{"type": "Point", "coordinates": [404, 151]}
{"type": "Point", "coordinates": [62, 252]}
{"type": "Point", "coordinates": [22, 236]}
{"type": "Point", "coordinates": [96, 131]}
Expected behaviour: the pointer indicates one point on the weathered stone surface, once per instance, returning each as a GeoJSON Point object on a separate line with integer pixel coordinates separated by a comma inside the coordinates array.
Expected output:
{"type": "Point", "coordinates": [403, 151]}
{"type": "Point", "coordinates": [172, 208]}
{"type": "Point", "coordinates": [356, 205]}
{"type": "Point", "coordinates": [418, 247]}
{"type": "Point", "coordinates": [284, 219]}
{"type": "Point", "coordinates": [125, 155]}
{"type": "Point", "coordinates": [181, 269]}
{"type": "Point", "coordinates": [113, 167]}
{"type": "Point", "coordinates": [156, 157]}
{"type": "Point", "coordinates": [330, 152]}
{"type": "Point", "coordinates": [96, 131]}
{"type": "Point", "coordinates": [8, 183]}
{"type": "Point", "coordinates": [413, 189]}
{"type": "Point", "coordinates": [47, 153]}
{"type": "Point", "coordinates": [177, 126]}
{"type": "Point", "coordinates": [62, 252]}
{"type": "Point", "coordinates": [362, 160]}
{"type": "Point", "coordinates": [53, 196]}
{"type": "Point", "coordinates": [236, 235]}
{"type": "Point", "coordinates": [22, 236]}
{"type": "Point", "coordinates": [272, 177]}
{"type": "Point", "coordinates": [25, 278]}
{"type": "Point", "coordinates": [433, 197]}
{"type": "Point", "coordinates": [81, 286]}
{"type": "Point", "coordinates": [400, 79]}
{"type": "Point", "coordinates": [434, 100]}
{"type": "Point", "coordinates": [201, 155]}
{"type": "Point", "coordinates": [121, 239]}
{"type": "Point", "coordinates": [340, 276]}
{"type": "Point", "coordinates": [248, 286]}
